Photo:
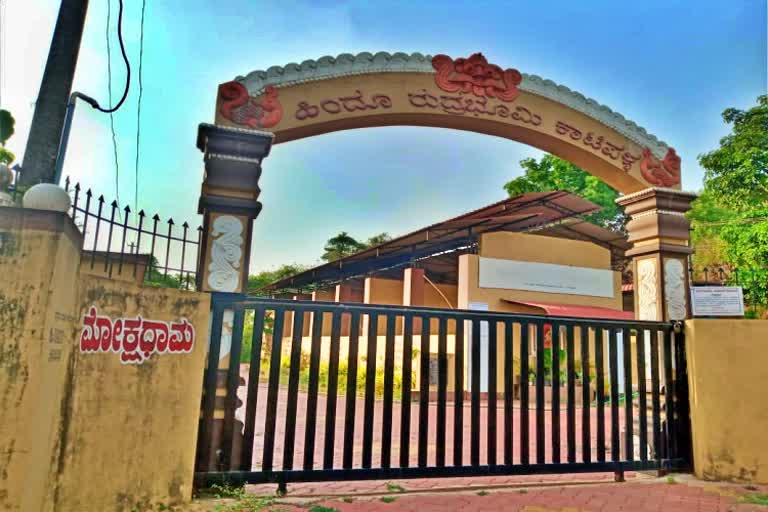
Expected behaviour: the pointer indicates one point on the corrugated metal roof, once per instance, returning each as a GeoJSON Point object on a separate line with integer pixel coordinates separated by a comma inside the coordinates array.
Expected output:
{"type": "Point", "coordinates": [555, 213]}
{"type": "Point", "coordinates": [576, 311]}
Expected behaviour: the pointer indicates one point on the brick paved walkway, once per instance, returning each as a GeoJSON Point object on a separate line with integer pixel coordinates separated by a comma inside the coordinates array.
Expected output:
{"type": "Point", "coordinates": [641, 494]}
{"type": "Point", "coordinates": [339, 421]}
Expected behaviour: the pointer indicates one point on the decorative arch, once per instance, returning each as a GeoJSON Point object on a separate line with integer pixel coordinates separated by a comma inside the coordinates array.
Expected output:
{"type": "Point", "coordinates": [367, 90]}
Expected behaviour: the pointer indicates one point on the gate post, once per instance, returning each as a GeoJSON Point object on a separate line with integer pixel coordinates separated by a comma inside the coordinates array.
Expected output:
{"type": "Point", "coordinates": [659, 233]}
{"type": "Point", "coordinates": [660, 237]}
{"type": "Point", "coordinates": [229, 204]}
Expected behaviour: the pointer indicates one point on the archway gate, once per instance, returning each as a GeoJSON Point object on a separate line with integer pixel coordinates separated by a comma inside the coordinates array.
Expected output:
{"type": "Point", "coordinates": [369, 90]}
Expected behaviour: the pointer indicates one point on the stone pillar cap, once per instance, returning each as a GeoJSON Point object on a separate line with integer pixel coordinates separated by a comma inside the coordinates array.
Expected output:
{"type": "Point", "coordinates": [654, 191]}
{"type": "Point", "coordinates": [47, 196]}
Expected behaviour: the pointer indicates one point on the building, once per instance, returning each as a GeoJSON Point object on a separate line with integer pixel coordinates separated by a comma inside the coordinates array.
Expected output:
{"type": "Point", "coordinates": [531, 254]}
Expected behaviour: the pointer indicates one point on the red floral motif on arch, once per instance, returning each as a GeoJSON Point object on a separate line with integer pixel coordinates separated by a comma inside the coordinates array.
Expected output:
{"type": "Point", "coordinates": [240, 108]}
{"type": "Point", "coordinates": [661, 173]}
{"type": "Point", "coordinates": [476, 76]}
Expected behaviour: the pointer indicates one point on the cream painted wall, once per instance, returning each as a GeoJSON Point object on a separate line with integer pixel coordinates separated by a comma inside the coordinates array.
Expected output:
{"type": "Point", "coordinates": [727, 375]}
{"type": "Point", "coordinates": [143, 418]}
{"type": "Point", "coordinates": [38, 264]}
{"type": "Point", "coordinates": [82, 431]}
{"type": "Point", "coordinates": [534, 248]}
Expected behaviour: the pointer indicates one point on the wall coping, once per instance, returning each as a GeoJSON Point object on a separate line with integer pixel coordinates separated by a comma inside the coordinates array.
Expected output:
{"type": "Point", "coordinates": [19, 219]}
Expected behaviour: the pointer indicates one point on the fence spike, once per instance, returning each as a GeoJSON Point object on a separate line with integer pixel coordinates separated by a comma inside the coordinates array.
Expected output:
{"type": "Point", "coordinates": [138, 243]}
{"type": "Point", "coordinates": [89, 193]}
{"type": "Point", "coordinates": [168, 245]}
{"type": "Point", "coordinates": [156, 218]}
{"type": "Point", "coordinates": [183, 253]}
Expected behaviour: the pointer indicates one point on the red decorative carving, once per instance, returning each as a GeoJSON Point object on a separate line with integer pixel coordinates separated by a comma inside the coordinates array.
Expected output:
{"type": "Point", "coordinates": [474, 75]}
{"type": "Point", "coordinates": [240, 108]}
{"type": "Point", "coordinates": [135, 339]}
{"type": "Point", "coordinates": [664, 173]}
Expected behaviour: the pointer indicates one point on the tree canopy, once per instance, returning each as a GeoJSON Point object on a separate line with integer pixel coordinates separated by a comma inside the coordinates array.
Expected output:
{"type": "Point", "coordinates": [340, 246]}
{"type": "Point", "coordinates": [378, 239]}
{"type": "Point", "coordinates": [266, 277]}
{"type": "Point", "coordinates": [553, 173]}
{"type": "Point", "coordinates": [7, 123]}
{"type": "Point", "coordinates": [729, 220]}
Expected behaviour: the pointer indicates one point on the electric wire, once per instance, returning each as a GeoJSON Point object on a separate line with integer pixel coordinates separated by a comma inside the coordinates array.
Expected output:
{"type": "Point", "coordinates": [2, 50]}
{"type": "Point", "coordinates": [111, 111]}
{"type": "Point", "coordinates": [138, 108]}
{"type": "Point", "coordinates": [125, 59]}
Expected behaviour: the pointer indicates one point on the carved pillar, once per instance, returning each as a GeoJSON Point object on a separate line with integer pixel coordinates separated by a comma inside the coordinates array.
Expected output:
{"type": "Point", "coordinates": [659, 233]}
{"type": "Point", "coordinates": [228, 203]}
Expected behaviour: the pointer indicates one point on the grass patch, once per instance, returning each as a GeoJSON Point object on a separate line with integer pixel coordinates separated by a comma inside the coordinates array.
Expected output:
{"type": "Point", "coordinates": [320, 508]}
{"type": "Point", "coordinates": [387, 499]}
{"type": "Point", "coordinates": [394, 487]}
{"type": "Point", "coordinates": [482, 493]}
{"type": "Point", "coordinates": [671, 480]}
{"type": "Point", "coordinates": [523, 491]}
{"type": "Point", "coordinates": [146, 506]}
{"type": "Point", "coordinates": [755, 499]}
{"type": "Point", "coordinates": [241, 499]}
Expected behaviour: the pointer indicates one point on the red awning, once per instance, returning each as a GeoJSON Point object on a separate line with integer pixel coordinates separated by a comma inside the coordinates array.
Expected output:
{"type": "Point", "coordinates": [577, 311]}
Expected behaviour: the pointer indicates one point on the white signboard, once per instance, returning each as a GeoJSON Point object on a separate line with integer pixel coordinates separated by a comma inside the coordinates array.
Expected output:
{"type": "Point", "coordinates": [545, 277]}
{"type": "Point", "coordinates": [717, 301]}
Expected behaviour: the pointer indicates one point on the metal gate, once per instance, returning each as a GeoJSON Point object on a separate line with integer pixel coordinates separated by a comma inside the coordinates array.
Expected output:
{"type": "Point", "coordinates": [435, 393]}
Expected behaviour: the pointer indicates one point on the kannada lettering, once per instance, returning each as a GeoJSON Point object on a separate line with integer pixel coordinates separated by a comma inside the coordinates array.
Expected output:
{"type": "Point", "coordinates": [351, 103]}
{"type": "Point", "coordinates": [463, 105]}
{"type": "Point", "coordinates": [598, 143]}
{"type": "Point", "coordinates": [135, 339]}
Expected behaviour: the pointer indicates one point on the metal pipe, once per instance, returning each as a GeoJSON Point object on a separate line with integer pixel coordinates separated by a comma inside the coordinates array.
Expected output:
{"type": "Point", "coordinates": [70, 113]}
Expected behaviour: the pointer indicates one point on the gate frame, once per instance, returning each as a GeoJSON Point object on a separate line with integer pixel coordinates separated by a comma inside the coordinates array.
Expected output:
{"type": "Point", "coordinates": [676, 443]}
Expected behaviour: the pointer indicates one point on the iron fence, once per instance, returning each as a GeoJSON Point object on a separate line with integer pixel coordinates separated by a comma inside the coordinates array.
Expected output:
{"type": "Point", "coordinates": [612, 397]}
{"type": "Point", "coordinates": [116, 240]}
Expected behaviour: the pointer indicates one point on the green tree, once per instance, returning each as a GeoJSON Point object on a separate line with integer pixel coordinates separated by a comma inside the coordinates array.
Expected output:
{"type": "Point", "coordinates": [7, 123]}
{"type": "Point", "coordinates": [266, 277]}
{"type": "Point", "coordinates": [553, 173]}
{"type": "Point", "coordinates": [737, 172]}
{"type": "Point", "coordinates": [340, 246]}
{"type": "Point", "coordinates": [155, 276]}
{"type": "Point", "coordinates": [730, 218]}
{"type": "Point", "coordinates": [378, 239]}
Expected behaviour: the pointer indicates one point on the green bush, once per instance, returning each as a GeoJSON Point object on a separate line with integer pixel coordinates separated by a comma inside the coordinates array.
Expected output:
{"type": "Point", "coordinates": [343, 374]}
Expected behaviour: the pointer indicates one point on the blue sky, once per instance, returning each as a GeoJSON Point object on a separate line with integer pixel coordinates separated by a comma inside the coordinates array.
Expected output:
{"type": "Point", "coordinates": [671, 66]}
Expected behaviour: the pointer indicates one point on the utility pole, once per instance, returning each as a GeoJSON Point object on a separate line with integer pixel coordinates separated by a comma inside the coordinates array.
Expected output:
{"type": "Point", "coordinates": [51, 106]}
